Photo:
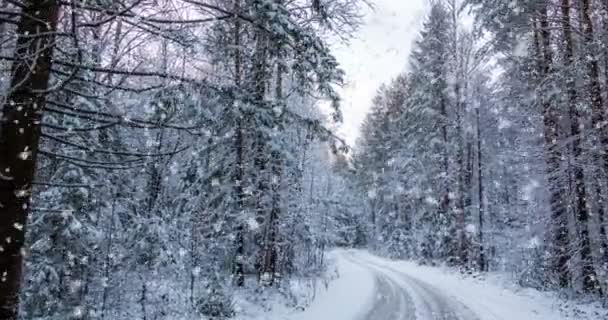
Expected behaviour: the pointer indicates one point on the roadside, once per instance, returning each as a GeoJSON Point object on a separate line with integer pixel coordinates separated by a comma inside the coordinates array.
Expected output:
{"type": "Point", "coordinates": [366, 287]}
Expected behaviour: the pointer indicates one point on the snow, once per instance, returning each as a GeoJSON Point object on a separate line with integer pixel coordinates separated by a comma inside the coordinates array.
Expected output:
{"type": "Point", "coordinates": [504, 123]}
{"type": "Point", "coordinates": [534, 243]}
{"type": "Point", "coordinates": [471, 228]}
{"type": "Point", "coordinates": [346, 297]}
{"type": "Point", "coordinates": [253, 224]}
{"type": "Point", "coordinates": [354, 290]}
{"type": "Point", "coordinates": [431, 200]}
{"type": "Point", "coordinates": [530, 189]}
{"type": "Point", "coordinates": [371, 194]}
{"type": "Point", "coordinates": [489, 297]}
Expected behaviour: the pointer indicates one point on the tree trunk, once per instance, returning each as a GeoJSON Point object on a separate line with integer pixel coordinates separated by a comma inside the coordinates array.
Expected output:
{"type": "Point", "coordinates": [590, 282]}
{"type": "Point", "coordinates": [444, 207]}
{"type": "Point", "coordinates": [460, 211]}
{"type": "Point", "coordinates": [19, 139]}
{"type": "Point", "coordinates": [240, 145]}
{"type": "Point", "coordinates": [107, 266]}
{"type": "Point", "coordinates": [598, 115]}
{"type": "Point", "coordinates": [262, 162]}
{"type": "Point", "coordinates": [3, 27]}
{"type": "Point", "coordinates": [459, 205]}
{"type": "Point", "coordinates": [559, 220]}
{"type": "Point", "coordinates": [602, 229]}
{"type": "Point", "coordinates": [604, 36]}
{"type": "Point", "coordinates": [601, 199]}
{"type": "Point", "coordinates": [593, 72]}
{"type": "Point", "coordinates": [481, 262]}
{"type": "Point", "coordinates": [270, 251]}
{"type": "Point", "coordinates": [460, 202]}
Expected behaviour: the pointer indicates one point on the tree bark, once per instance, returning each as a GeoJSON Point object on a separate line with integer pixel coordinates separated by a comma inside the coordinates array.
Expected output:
{"type": "Point", "coordinates": [481, 262]}
{"type": "Point", "coordinates": [601, 199]}
{"type": "Point", "coordinates": [460, 111]}
{"type": "Point", "coordinates": [590, 281]}
{"type": "Point", "coordinates": [262, 163]}
{"type": "Point", "coordinates": [559, 221]}
{"type": "Point", "coordinates": [19, 139]}
{"type": "Point", "coordinates": [239, 272]}
{"type": "Point", "coordinates": [593, 72]}
{"type": "Point", "coordinates": [271, 251]}
{"type": "Point", "coordinates": [444, 204]}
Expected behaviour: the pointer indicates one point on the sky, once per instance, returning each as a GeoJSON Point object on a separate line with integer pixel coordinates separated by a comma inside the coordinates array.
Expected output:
{"type": "Point", "coordinates": [377, 54]}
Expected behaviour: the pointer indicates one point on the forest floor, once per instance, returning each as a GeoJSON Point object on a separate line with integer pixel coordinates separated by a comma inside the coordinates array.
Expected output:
{"type": "Point", "coordinates": [371, 288]}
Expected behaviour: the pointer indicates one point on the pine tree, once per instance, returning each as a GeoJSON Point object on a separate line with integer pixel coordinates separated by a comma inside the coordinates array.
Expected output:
{"type": "Point", "coordinates": [19, 139]}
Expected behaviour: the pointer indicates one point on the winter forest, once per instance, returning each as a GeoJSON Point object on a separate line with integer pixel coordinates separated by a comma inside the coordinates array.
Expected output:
{"type": "Point", "coordinates": [183, 159]}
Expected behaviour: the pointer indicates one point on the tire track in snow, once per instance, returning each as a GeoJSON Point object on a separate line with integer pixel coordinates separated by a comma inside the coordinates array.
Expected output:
{"type": "Point", "coordinates": [402, 297]}
{"type": "Point", "coordinates": [391, 302]}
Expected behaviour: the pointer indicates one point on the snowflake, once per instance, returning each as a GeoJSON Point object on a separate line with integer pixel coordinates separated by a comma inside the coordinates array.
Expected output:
{"type": "Point", "coordinates": [471, 228]}
{"type": "Point", "coordinates": [215, 182]}
{"type": "Point", "coordinates": [253, 224]}
{"type": "Point", "coordinates": [372, 194]}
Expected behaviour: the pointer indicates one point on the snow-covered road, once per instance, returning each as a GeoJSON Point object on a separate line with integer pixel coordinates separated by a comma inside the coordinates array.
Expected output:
{"type": "Point", "coordinates": [399, 296]}
{"type": "Point", "coordinates": [373, 288]}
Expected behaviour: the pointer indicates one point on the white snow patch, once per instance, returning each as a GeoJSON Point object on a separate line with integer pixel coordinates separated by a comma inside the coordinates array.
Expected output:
{"type": "Point", "coordinates": [345, 298]}
{"type": "Point", "coordinates": [372, 194]}
{"type": "Point", "coordinates": [530, 189]}
{"type": "Point", "coordinates": [471, 228]}
{"type": "Point", "coordinates": [253, 224]}
{"type": "Point", "coordinates": [534, 243]}
{"type": "Point", "coordinates": [504, 123]}
{"type": "Point", "coordinates": [431, 201]}
{"type": "Point", "coordinates": [521, 48]}
{"type": "Point", "coordinates": [215, 182]}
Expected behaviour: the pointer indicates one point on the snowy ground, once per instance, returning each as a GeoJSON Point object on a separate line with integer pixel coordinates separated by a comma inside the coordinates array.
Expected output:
{"type": "Point", "coordinates": [372, 288]}
{"type": "Point", "coordinates": [344, 295]}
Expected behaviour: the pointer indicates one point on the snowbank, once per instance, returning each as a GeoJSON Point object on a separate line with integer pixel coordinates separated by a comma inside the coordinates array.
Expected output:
{"type": "Point", "coordinates": [346, 296]}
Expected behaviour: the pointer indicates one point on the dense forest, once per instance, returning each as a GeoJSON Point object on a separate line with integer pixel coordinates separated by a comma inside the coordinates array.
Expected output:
{"type": "Point", "coordinates": [170, 158]}
{"type": "Point", "coordinates": [170, 149]}
{"type": "Point", "coordinates": [490, 151]}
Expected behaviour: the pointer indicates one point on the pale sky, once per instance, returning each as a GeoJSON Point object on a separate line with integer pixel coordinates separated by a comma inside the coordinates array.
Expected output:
{"type": "Point", "coordinates": [377, 54]}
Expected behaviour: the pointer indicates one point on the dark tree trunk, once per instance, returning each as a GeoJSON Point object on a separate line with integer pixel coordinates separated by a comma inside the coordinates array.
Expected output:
{"type": "Point", "coordinates": [3, 27]}
{"type": "Point", "coordinates": [444, 206]}
{"type": "Point", "coordinates": [271, 250]}
{"type": "Point", "coordinates": [468, 178]}
{"type": "Point", "coordinates": [262, 163]}
{"type": "Point", "coordinates": [602, 226]}
{"type": "Point", "coordinates": [559, 221]}
{"type": "Point", "coordinates": [481, 262]}
{"type": "Point", "coordinates": [239, 180]}
{"type": "Point", "coordinates": [601, 197]}
{"type": "Point", "coordinates": [461, 202]}
{"type": "Point", "coordinates": [590, 281]}
{"type": "Point", "coordinates": [460, 111]}
{"type": "Point", "coordinates": [604, 36]}
{"type": "Point", "coordinates": [593, 72]}
{"type": "Point", "coordinates": [19, 138]}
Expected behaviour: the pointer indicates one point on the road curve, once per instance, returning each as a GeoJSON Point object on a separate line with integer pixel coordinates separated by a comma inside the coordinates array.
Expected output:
{"type": "Point", "coordinates": [403, 297]}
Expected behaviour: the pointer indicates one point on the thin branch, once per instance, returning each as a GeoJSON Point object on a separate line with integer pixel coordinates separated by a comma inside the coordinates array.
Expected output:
{"type": "Point", "coordinates": [118, 153]}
